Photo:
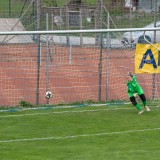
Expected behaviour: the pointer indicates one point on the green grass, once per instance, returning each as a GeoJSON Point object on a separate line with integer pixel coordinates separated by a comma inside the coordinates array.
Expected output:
{"type": "Point", "coordinates": [100, 134]}
{"type": "Point", "coordinates": [61, 3]}
{"type": "Point", "coordinates": [13, 11]}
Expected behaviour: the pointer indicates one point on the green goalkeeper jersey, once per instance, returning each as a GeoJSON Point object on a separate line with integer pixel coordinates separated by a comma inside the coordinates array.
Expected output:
{"type": "Point", "coordinates": [134, 87]}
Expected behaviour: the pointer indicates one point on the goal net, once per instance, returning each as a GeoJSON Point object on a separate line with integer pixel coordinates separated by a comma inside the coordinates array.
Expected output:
{"type": "Point", "coordinates": [76, 66]}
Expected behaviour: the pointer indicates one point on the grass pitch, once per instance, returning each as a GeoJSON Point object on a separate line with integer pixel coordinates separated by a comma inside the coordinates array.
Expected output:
{"type": "Point", "coordinates": [84, 133]}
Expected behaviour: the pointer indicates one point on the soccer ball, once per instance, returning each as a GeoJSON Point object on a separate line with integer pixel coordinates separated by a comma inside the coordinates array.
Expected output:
{"type": "Point", "coordinates": [48, 94]}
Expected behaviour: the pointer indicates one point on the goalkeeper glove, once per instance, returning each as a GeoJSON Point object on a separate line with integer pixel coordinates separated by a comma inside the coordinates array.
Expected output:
{"type": "Point", "coordinates": [135, 95]}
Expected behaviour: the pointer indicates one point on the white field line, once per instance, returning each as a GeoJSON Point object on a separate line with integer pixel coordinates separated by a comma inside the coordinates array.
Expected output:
{"type": "Point", "coordinates": [61, 112]}
{"type": "Point", "coordinates": [64, 107]}
{"type": "Point", "coordinates": [78, 136]}
{"type": "Point", "coordinates": [55, 107]}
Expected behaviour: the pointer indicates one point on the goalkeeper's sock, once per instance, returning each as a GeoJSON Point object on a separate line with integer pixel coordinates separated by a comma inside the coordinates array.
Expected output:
{"type": "Point", "coordinates": [138, 107]}
{"type": "Point", "coordinates": [144, 103]}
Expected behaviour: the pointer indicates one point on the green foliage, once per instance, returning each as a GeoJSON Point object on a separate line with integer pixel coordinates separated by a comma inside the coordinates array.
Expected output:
{"type": "Point", "coordinates": [47, 3]}
{"type": "Point", "coordinates": [61, 3]}
{"type": "Point", "coordinates": [25, 104]}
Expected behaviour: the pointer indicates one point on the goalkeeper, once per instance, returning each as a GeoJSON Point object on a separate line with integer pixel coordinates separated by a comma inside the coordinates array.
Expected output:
{"type": "Point", "coordinates": [134, 90]}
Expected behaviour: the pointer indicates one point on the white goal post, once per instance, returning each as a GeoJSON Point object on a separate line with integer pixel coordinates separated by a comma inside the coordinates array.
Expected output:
{"type": "Point", "coordinates": [78, 31]}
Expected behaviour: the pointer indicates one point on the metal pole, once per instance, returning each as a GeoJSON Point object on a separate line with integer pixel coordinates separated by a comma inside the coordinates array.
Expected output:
{"type": "Point", "coordinates": [130, 19]}
{"type": "Point", "coordinates": [100, 55]}
{"type": "Point", "coordinates": [38, 48]}
{"type": "Point", "coordinates": [153, 75]}
{"type": "Point", "coordinates": [67, 24]}
{"type": "Point", "coordinates": [78, 31]}
{"type": "Point", "coordinates": [47, 44]}
{"type": "Point", "coordinates": [155, 12]}
{"type": "Point", "coordinates": [81, 37]}
{"type": "Point", "coordinates": [33, 18]}
{"type": "Point", "coordinates": [9, 8]}
{"type": "Point", "coordinates": [47, 50]}
{"type": "Point", "coordinates": [70, 54]}
{"type": "Point", "coordinates": [107, 58]}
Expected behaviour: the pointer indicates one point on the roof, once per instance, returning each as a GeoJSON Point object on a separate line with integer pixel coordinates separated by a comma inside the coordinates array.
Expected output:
{"type": "Point", "coordinates": [13, 24]}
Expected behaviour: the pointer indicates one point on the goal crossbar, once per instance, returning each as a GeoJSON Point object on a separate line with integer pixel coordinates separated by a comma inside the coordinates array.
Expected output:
{"type": "Point", "coordinates": [77, 31]}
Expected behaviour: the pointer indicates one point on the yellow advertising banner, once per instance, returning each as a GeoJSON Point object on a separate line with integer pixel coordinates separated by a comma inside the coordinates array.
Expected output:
{"type": "Point", "coordinates": [147, 58]}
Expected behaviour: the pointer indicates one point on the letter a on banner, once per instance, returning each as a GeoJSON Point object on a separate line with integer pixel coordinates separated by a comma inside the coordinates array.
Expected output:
{"type": "Point", "coordinates": [147, 58]}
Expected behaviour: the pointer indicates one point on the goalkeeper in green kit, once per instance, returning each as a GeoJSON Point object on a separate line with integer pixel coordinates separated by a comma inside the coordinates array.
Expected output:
{"type": "Point", "coordinates": [134, 90]}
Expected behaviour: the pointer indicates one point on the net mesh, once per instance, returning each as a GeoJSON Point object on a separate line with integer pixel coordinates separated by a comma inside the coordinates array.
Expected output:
{"type": "Point", "coordinates": [77, 66]}
{"type": "Point", "coordinates": [72, 72]}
